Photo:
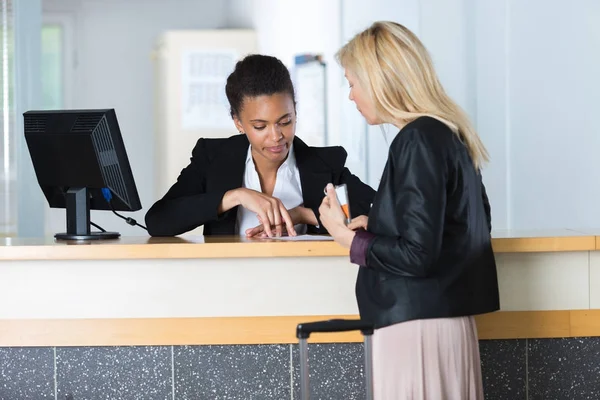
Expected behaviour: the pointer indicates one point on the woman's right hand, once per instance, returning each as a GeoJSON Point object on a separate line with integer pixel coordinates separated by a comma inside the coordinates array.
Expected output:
{"type": "Point", "coordinates": [269, 210]}
{"type": "Point", "coordinates": [359, 222]}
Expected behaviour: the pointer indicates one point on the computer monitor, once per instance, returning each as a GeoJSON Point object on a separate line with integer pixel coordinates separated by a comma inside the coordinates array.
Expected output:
{"type": "Point", "coordinates": [81, 164]}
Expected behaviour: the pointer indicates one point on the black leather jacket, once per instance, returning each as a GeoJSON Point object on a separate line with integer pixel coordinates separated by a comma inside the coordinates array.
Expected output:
{"type": "Point", "coordinates": [431, 256]}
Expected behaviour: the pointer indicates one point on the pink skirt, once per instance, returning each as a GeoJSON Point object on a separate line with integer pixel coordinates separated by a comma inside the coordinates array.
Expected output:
{"type": "Point", "coordinates": [427, 359]}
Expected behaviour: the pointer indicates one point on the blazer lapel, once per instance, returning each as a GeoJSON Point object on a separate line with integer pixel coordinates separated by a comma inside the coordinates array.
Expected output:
{"type": "Point", "coordinates": [314, 174]}
{"type": "Point", "coordinates": [227, 173]}
{"type": "Point", "coordinates": [227, 170]}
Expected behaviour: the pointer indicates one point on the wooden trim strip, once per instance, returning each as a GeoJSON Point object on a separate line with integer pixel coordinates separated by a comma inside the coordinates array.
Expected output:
{"type": "Point", "coordinates": [162, 331]}
{"type": "Point", "coordinates": [525, 325]}
{"type": "Point", "coordinates": [265, 330]}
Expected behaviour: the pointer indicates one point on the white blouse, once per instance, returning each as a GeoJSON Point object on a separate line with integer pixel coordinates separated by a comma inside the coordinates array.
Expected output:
{"type": "Point", "coordinates": [287, 189]}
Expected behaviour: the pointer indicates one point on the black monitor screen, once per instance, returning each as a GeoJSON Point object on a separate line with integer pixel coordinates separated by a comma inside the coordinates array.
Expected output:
{"type": "Point", "coordinates": [74, 150]}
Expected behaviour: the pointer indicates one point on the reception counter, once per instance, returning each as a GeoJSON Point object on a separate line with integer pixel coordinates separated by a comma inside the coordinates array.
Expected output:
{"type": "Point", "coordinates": [182, 247]}
{"type": "Point", "coordinates": [214, 318]}
{"type": "Point", "coordinates": [231, 290]}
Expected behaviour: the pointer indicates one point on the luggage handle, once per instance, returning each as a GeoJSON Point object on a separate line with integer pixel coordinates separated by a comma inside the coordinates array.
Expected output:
{"type": "Point", "coordinates": [303, 331]}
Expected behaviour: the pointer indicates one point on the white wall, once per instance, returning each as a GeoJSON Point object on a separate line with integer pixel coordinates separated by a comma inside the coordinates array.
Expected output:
{"type": "Point", "coordinates": [538, 86]}
{"type": "Point", "coordinates": [491, 111]}
{"type": "Point", "coordinates": [283, 31]}
{"type": "Point", "coordinates": [526, 72]}
{"type": "Point", "coordinates": [553, 96]}
{"type": "Point", "coordinates": [287, 28]}
{"type": "Point", "coordinates": [467, 43]}
{"type": "Point", "coordinates": [114, 40]}
{"type": "Point", "coordinates": [366, 145]}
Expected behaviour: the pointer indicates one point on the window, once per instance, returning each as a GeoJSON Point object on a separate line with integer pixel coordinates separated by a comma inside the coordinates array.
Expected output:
{"type": "Point", "coordinates": [7, 110]}
{"type": "Point", "coordinates": [55, 60]}
{"type": "Point", "coordinates": [52, 66]}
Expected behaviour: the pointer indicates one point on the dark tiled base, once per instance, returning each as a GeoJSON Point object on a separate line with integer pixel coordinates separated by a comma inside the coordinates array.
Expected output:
{"type": "Point", "coordinates": [564, 368]}
{"type": "Point", "coordinates": [336, 371]}
{"type": "Point", "coordinates": [132, 373]}
{"type": "Point", "coordinates": [27, 373]}
{"type": "Point", "coordinates": [512, 370]}
{"type": "Point", "coordinates": [232, 372]}
{"type": "Point", "coordinates": [503, 368]}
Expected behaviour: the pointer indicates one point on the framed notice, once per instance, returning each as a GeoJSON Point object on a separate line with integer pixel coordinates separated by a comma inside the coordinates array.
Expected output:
{"type": "Point", "coordinates": [203, 77]}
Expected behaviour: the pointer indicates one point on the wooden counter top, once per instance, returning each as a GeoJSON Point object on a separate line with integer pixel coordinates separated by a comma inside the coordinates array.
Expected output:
{"type": "Point", "coordinates": [238, 247]}
{"type": "Point", "coordinates": [170, 248]}
{"type": "Point", "coordinates": [516, 241]}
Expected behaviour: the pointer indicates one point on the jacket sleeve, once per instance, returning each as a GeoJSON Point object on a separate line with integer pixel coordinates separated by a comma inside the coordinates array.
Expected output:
{"type": "Point", "coordinates": [486, 206]}
{"type": "Point", "coordinates": [418, 175]}
{"type": "Point", "coordinates": [186, 205]}
{"type": "Point", "coordinates": [360, 194]}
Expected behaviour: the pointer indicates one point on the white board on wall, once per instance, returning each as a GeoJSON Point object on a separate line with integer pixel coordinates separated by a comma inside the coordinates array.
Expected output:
{"type": "Point", "coordinates": [310, 81]}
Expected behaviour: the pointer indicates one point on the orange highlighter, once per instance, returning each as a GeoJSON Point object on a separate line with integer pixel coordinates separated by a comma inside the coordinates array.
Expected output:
{"type": "Point", "coordinates": [341, 191]}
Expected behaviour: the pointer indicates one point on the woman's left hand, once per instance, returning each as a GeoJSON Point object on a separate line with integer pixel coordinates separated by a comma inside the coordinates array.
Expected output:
{"type": "Point", "coordinates": [334, 220]}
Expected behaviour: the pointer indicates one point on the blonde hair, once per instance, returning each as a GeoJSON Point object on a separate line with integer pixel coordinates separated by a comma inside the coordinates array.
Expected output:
{"type": "Point", "coordinates": [396, 71]}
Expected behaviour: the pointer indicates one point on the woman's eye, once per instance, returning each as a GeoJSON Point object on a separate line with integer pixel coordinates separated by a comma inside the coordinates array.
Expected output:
{"type": "Point", "coordinates": [259, 128]}
{"type": "Point", "coordinates": [285, 123]}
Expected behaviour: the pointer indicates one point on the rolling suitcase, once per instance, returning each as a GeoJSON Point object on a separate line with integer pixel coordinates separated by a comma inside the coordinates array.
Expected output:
{"type": "Point", "coordinates": [303, 332]}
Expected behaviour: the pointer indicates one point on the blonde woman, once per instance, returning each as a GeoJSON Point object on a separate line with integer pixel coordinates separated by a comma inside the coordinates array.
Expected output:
{"type": "Point", "coordinates": [425, 251]}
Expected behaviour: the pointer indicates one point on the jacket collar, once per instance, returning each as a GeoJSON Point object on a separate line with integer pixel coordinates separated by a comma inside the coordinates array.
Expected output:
{"type": "Point", "coordinates": [315, 174]}
{"type": "Point", "coordinates": [229, 166]}
{"type": "Point", "coordinates": [231, 161]}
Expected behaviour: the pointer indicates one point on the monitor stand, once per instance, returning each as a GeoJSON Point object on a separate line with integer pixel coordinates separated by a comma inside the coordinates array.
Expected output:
{"type": "Point", "coordinates": [78, 218]}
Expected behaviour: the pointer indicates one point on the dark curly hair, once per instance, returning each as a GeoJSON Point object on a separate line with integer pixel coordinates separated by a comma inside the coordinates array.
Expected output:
{"type": "Point", "coordinates": [257, 75]}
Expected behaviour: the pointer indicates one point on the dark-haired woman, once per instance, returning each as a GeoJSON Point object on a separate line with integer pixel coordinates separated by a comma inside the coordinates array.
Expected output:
{"type": "Point", "coordinates": [264, 181]}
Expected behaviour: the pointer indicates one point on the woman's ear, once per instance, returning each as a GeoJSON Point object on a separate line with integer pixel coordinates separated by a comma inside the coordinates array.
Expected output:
{"type": "Point", "coordinates": [238, 125]}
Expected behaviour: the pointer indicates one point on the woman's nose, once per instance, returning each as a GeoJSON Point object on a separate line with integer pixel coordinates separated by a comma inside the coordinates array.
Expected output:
{"type": "Point", "coordinates": [276, 132]}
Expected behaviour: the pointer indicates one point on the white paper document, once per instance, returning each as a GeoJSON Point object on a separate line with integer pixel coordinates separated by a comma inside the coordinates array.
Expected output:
{"type": "Point", "coordinates": [300, 238]}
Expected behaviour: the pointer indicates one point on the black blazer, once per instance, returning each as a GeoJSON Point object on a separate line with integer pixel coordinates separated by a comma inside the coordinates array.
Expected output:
{"type": "Point", "coordinates": [431, 256]}
{"type": "Point", "coordinates": [218, 165]}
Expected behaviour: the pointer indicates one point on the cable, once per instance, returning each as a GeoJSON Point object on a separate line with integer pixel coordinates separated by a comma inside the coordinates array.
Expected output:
{"type": "Point", "coordinates": [97, 227]}
{"type": "Point", "coordinates": [129, 220]}
{"type": "Point", "coordinates": [108, 197]}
